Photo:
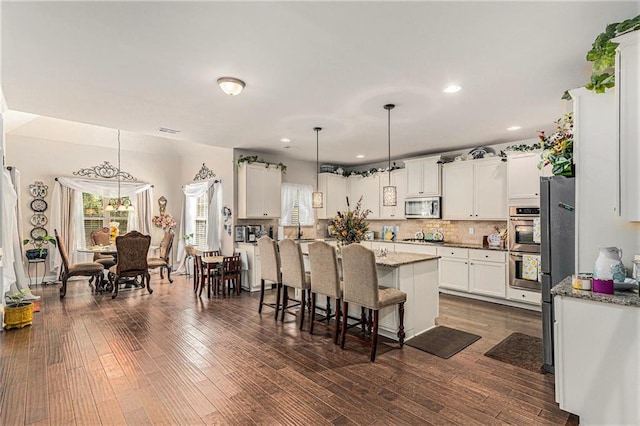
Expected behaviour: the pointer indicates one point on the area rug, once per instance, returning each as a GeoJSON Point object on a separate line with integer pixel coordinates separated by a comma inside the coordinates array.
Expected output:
{"type": "Point", "coordinates": [521, 350]}
{"type": "Point", "coordinates": [443, 342]}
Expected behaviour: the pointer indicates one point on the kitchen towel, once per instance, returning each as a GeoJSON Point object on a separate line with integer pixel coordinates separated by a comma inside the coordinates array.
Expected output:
{"type": "Point", "coordinates": [536, 230]}
{"type": "Point", "coordinates": [243, 259]}
{"type": "Point", "coordinates": [530, 267]}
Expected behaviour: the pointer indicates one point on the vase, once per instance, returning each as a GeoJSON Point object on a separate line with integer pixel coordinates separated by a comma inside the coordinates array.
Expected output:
{"type": "Point", "coordinates": [113, 231]}
{"type": "Point", "coordinates": [609, 265]}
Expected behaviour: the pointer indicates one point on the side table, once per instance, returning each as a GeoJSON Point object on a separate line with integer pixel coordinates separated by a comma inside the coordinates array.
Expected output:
{"type": "Point", "coordinates": [36, 262]}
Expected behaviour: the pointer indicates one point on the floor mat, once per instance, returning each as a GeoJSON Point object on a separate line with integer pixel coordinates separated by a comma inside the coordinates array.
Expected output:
{"type": "Point", "coordinates": [443, 341]}
{"type": "Point", "coordinates": [521, 350]}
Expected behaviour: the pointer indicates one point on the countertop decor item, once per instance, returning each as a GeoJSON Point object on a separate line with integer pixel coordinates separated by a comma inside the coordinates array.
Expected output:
{"type": "Point", "coordinates": [350, 226]}
{"type": "Point", "coordinates": [609, 265]}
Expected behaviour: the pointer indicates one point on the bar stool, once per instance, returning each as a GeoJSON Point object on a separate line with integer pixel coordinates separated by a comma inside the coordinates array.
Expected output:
{"type": "Point", "coordinates": [325, 279]}
{"type": "Point", "coordinates": [293, 275]}
{"type": "Point", "coordinates": [269, 271]}
{"type": "Point", "coordinates": [361, 288]}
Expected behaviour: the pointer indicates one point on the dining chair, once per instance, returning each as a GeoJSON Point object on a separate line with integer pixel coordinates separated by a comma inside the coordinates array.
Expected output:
{"type": "Point", "coordinates": [361, 288]}
{"type": "Point", "coordinates": [92, 270]}
{"type": "Point", "coordinates": [293, 275]}
{"type": "Point", "coordinates": [132, 248]}
{"type": "Point", "coordinates": [325, 280]}
{"type": "Point", "coordinates": [207, 270]}
{"type": "Point", "coordinates": [163, 262]}
{"type": "Point", "coordinates": [269, 271]}
{"type": "Point", "coordinates": [228, 275]}
{"type": "Point", "coordinates": [100, 237]}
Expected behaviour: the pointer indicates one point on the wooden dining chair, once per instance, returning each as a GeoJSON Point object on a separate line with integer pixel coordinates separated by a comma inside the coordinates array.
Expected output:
{"type": "Point", "coordinates": [269, 271]}
{"type": "Point", "coordinates": [92, 270]}
{"type": "Point", "coordinates": [100, 237]}
{"type": "Point", "coordinates": [293, 275]}
{"type": "Point", "coordinates": [132, 248]}
{"type": "Point", "coordinates": [325, 280]}
{"type": "Point", "coordinates": [228, 275]}
{"type": "Point", "coordinates": [361, 288]}
{"type": "Point", "coordinates": [163, 262]}
{"type": "Point", "coordinates": [207, 271]}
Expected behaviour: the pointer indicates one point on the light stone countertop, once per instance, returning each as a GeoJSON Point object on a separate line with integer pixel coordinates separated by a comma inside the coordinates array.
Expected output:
{"type": "Point", "coordinates": [625, 298]}
{"type": "Point", "coordinates": [394, 260]}
{"type": "Point", "coordinates": [445, 244]}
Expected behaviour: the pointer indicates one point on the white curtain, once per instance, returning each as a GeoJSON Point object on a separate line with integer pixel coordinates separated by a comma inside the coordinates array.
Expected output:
{"type": "Point", "coordinates": [291, 191]}
{"type": "Point", "coordinates": [141, 215]}
{"type": "Point", "coordinates": [9, 229]}
{"type": "Point", "coordinates": [187, 222]}
{"type": "Point", "coordinates": [67, 209]}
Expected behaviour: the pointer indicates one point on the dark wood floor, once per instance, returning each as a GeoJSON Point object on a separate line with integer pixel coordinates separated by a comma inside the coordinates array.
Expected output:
{"type": "Point", "coordinates": [173, 358]}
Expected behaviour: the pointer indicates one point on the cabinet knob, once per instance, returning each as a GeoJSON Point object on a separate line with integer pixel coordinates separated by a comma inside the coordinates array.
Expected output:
{"type": "Point", "coordinates": [470, 215]}
{"type": "Point", "coordinates": [476, 215]}
{"type": "Point", "coordinates": [451, 253]}
{"type": "Point", "coordinates": [486, 255]}
{"type": "Point", "coordinates": [523, 295]}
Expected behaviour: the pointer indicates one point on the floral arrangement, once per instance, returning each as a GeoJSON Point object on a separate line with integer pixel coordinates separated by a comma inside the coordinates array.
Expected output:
{"type": "Point", "coordinates": [164, 221]}
{"type": "Point", "coordinates": [113, 231]}
{"type": "Point", "coordinates": [558, 148]}
{"type": "Point", "coordinates": [351, 225]}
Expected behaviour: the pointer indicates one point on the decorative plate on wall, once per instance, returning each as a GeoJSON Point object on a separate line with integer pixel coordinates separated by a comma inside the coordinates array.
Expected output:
{"type": "Point", "coordinates": [38, 190]}
{"type": "Point", "coordinates": [38, 231]}
{"type": "Point", "coordinates": [39, 220]}
{"type": "Point", "coordinates": [39, 205]}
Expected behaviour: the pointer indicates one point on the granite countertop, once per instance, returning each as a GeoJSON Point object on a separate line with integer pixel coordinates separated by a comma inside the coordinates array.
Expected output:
{"type": "Point", "coordinates": [398, 259]}
{"type": "Point", "coordinates": [626, 297]}
{"type": "Point", "coordinates": [447, 244]}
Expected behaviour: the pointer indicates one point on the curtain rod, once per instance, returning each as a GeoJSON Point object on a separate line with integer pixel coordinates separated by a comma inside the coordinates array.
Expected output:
{"type": "Point", "coordinates": [104, 180]}
{"type": "Point", "coordinates": [215, 181]}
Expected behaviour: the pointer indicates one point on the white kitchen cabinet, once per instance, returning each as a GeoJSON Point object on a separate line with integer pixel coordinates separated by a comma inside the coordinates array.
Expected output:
{"type": "Point", "coordinates": [369, 189]}
{"type": "Point", "coordinates": [596, 353]}
{"type": "Point", "coordinates": [259, 191]}
{"type": "Point", "coordinates": [628, 126]}
{"type": "Point", "coordinates": [454, 268]}
{"type": "Point", "coordinates": [475, 190]}
{"type": "Point", "coordinates": [399, 179]}
{"type": "Point", "coordinates": [423, 176]}
{"type": "Point", "coordinates": [251, 277]}
{"type": "Point", "coordinates": [334, 190]}
{"type": "Point", "coordinates": [487, 273]}
{"type": "Point", "coordinates": [525, 296]}
{"type": "Point", "coordinates": [416, 248]}
{"type": "Point", "coordinates": [523, 177]}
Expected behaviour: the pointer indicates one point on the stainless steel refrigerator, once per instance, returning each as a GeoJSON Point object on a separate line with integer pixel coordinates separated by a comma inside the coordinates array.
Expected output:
{"type": "Point", "coordinates": [557, 248]}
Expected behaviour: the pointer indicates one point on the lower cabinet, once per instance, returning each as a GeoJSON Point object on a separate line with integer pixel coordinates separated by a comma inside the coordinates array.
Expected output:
{"type": "Point", "coordinates": [251, 276]}
{"type": "Point", "coordinates": [474, 271]}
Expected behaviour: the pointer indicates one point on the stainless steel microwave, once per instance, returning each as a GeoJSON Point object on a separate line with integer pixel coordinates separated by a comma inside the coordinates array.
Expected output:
{"type": "Point", "coordinates": [426, 207]}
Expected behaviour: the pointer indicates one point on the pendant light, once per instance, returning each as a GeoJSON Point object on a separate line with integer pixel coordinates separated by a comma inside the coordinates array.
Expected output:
{"type": "Point", "coordinates": [317, 201]}
{"type": "Point", "coordinates": [120, 205]}
{"type": "Point", "coordinates": [389, 193]}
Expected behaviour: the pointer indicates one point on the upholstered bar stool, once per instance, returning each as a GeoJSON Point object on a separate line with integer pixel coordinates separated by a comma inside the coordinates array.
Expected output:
{"type": "Point", "coordinates": [293, 275]}
{"type": "Point", "coordinates": [325, 280]}
{"type": "Point", "coordinates": [269, 271]}
{"type": "Point", "coordinates": [361, 288]}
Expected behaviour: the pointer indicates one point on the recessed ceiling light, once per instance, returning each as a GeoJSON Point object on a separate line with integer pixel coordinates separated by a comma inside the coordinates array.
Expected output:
{"type": "Point", "coordinates": [360, 156]}
{"type": "Point", "coordinates": [285, 140]}
{"type": "Point", "coordinates": [452, 88]}
{"type": "Point", "coordinates": [512, 128]}
{"type": "Point", "coordinates": [167, 130]}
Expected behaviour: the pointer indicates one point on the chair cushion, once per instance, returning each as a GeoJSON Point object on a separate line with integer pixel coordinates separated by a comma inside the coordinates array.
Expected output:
{"type": "Point", "coordinates": [113, 269]}
{"type": "Point", "coordinates": [156, 262]}
{"type": "Point", "coordinates": [88, 268]}
{"type": "Point", "coordinates": [390, 296]}
{"type": "Point", "coordinates": [106, 262]}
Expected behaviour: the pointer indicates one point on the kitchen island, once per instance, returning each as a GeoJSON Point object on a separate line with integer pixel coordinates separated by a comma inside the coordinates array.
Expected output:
{"type": "Point", "coordinates": [597, 354]}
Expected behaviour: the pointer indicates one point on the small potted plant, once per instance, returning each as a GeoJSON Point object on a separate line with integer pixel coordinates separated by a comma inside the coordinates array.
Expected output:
{"type": "Point", "coordinates": [19, 312]}
{"type": "Point", "coordinates": [188, 245]}
{"type": "Point", "coordinates": [38, 251]}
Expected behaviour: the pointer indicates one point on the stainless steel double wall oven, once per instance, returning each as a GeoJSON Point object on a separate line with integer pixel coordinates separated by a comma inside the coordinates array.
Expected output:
{"type": "Point", "coordinates": [522, 241]}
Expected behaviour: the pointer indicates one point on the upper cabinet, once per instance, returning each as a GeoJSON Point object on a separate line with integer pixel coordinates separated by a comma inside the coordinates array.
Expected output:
{"type": "Point", "coordinates": [259, 191]}
{"type": "Point", "coordinates": [334, 190]}
{"type": "Point", "coordinates": [399, 180]}
{"type": "Point", "coordinates": [475, 190]}
{"type": "Point", "coordinates": [423, 176]}
{"type": "Point", "coordinates": [628, 108]}
{"type": "Point", "coordinates": [524, 177]}
{"type": "Point", "coordinates": [369, 189]}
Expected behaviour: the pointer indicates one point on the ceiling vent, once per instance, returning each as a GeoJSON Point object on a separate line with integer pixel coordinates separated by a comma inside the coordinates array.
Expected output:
{"type": "Point", "coordinates": [170, 131]}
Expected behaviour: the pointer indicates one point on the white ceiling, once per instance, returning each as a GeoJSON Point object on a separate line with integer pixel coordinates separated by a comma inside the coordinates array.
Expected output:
{"type": "Point", "coordinates": [142, 65]}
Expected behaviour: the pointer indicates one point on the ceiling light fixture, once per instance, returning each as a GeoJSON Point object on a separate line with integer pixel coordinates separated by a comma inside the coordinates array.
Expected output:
{"type": "Point", "coordinates": [389, 193]}
{"type": "Point", "coordinates": [285, 140]}
{"type": "Point", "coordinates": [231, 86]}
{"type": "Point", "coordinates": [121, 206]}
{"type": "Point", "coordinates": [452, 88]}
{"type": "Point", "coordinates": [316, 197]}
{"type": "Point", "coordinates": [360, 156]}
{"type": "Point", "coordinates": [512, 128]}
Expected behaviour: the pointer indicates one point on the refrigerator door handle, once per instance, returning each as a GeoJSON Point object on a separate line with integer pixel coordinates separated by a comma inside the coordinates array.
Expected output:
{"type": "Point", "coordinates": [566, 207]}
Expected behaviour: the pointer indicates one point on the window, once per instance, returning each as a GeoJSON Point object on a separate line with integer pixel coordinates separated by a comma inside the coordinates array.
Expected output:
{"type": "Point", "coordinates": [296, 204]}
{"type": "Point", "coordinates": [202, 209]}
{"type": "Point", "coordinates": [95, 217]}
